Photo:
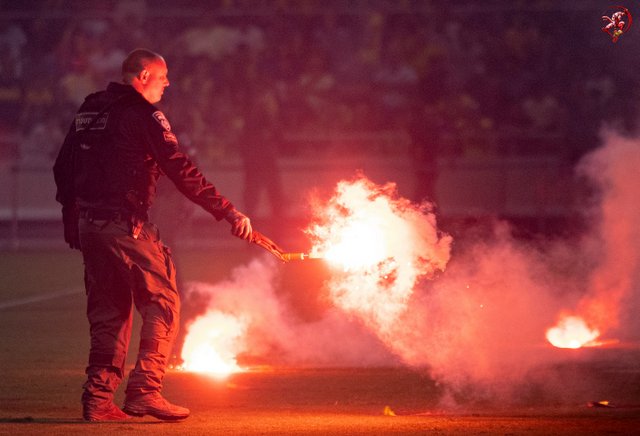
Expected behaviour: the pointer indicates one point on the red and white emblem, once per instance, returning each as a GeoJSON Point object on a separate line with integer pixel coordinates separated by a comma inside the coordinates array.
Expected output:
{"type": "Point", "coordinates": [159, 117]}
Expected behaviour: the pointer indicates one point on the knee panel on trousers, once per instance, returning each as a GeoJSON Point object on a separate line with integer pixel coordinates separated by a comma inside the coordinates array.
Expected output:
{"type": "Point", "coordinates": [107, 360]}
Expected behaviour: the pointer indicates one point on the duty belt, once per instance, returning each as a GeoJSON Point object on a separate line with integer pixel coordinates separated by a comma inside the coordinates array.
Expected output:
{"type": "Point", "coordinates": [105, 214]}
{"type": "Point", "coordinates": [114, 215]}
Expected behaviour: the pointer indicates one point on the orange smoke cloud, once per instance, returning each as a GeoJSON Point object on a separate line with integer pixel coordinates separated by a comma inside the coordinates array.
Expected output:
{"type": "Point", "coordinates": [480, 323]}
{"type": "Point", "coordinates": [613, 282]}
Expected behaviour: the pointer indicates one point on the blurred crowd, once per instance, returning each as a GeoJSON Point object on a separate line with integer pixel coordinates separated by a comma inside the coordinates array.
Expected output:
{"type": "Point", "coordinates": [299, 78]}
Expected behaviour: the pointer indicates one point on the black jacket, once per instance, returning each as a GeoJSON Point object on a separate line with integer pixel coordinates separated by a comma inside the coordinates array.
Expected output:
{"type": "Point", "coordinates": [113, 160]}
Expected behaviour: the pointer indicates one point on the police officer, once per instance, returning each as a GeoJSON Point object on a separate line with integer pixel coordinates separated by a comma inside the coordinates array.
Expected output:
{"type": "Point", "coordinates": [106, 174]}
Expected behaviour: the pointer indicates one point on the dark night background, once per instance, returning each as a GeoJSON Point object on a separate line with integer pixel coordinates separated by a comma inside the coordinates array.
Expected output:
{"type": "Point", "coordinates": [483, 107]}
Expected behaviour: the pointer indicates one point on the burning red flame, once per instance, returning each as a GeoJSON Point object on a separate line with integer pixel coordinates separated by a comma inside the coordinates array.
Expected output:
{"type": "Point", "coordinates": [212, 344]}
{"type": "Point", "coordinates": [382, 244]}
{"type": "Point", "coordinates": [572, 332]}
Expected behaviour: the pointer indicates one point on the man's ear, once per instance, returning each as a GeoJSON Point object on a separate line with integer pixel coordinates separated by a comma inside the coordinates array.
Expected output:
{"type": "Point", "coordinates": [143, 76]}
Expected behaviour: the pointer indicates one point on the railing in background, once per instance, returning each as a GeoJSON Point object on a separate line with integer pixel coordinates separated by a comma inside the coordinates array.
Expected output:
{"type": "Point", "coordinates": [534, 187]}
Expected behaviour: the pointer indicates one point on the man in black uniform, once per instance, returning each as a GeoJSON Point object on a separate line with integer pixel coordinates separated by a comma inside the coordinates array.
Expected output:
{"type": "Point", "coordinates": [106, 174]}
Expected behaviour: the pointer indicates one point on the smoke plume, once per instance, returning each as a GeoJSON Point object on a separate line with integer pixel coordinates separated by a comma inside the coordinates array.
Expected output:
{"type": "Point", "coordinates": [613, 284]}
{"type": "Point", "coordinates": [476, 317]}
{"type": "Point", "coordinates": [270, 331]}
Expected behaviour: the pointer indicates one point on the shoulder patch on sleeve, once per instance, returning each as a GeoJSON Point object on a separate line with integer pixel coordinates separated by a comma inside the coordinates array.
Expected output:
{"type": "Point", "coordinates": [160, 118]}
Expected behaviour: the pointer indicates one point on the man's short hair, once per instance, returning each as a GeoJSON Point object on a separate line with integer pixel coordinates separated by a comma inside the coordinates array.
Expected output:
{"type": "Point", "coordinates": [136, 61]}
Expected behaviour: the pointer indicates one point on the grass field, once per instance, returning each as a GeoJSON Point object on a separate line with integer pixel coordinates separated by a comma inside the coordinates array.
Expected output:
{"type": "Point", "coordinates": [43, 352]}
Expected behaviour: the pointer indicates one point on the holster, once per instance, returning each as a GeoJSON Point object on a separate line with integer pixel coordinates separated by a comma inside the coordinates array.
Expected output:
{"type": "Point", "coordinates": [136, 226]}
{"type": "Point", "coordinates": [135, 221]}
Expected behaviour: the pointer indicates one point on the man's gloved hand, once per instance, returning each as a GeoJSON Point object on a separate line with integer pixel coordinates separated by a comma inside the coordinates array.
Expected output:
{"type": "Point", "coordinates": [70, 219]}
{"type": "Point", "coordinates": [240, 224]}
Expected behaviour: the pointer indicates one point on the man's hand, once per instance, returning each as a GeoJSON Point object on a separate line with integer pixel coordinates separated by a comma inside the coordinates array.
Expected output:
{"type": "Point", "coordinates": [240, 224]}
{"type": "Point", "coordinates": [70, 218]}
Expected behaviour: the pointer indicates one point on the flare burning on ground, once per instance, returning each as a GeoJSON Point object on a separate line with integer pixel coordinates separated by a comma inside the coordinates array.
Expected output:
{"type": "Point", "coordinates": [572, 332]}
{"type": "Point", "coordinates": [614, 171]}
{"type": "Point", "coordinates": [213, 344]}
{"type": "Point", "coordinates": [228, 326]}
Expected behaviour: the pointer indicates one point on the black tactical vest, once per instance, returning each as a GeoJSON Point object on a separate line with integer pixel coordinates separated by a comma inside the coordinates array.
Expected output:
{"type": "Point", "coordinates": [100, 178]}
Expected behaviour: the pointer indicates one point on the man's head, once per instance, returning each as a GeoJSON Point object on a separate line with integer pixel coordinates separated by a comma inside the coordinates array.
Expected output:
{"type": "Point", "coordinates": [147, 72]}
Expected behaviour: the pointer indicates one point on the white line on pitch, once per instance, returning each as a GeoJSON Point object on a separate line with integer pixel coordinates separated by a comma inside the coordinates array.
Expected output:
{"type": "Point", "coordinates": [37, 298]}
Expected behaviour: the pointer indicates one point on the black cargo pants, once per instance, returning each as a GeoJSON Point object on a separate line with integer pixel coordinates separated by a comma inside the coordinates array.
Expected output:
{"type": "Point", "coordinates": [120, 272]}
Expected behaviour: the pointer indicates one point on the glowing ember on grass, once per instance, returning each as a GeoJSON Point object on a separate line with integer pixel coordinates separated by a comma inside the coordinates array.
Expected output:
{"type": "Point", "coordinates": [381, 244]}
{"type": "Point", "coordinates": [572, 332]}
{"type": "Point", "coordinates": [212, 344]}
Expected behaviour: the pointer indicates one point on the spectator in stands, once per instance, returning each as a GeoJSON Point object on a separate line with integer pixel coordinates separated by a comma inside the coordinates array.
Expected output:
{"type": "Point", "coordinates": [316, 86]}
{"type": "Point", "coordinates": [396, 82]}
{"type": "Point", "coordinates": [40, 142]}
{"type": "Point", "coordinates": [258, 143]}
{"type": "Point", "coordinates": [10, 87]}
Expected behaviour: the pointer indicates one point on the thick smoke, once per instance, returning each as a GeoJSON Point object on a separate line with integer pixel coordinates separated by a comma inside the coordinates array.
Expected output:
{"type": "Point", "coordinates": [482, 323]}
{"type": "Point", "coordinates": [613, 284]}
{"type": "Point", "coordinates": [275, 333]}
{"type": "Point", "coordinates": [479, 326]}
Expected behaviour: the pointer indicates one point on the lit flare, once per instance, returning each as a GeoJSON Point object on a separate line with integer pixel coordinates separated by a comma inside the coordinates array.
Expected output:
{"type": "Point", "coordinates": [212, 344]}
{"type": "Point", "coordinates": [382, 245]}
{"type": "Point", "coordinates": [572, 332]}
